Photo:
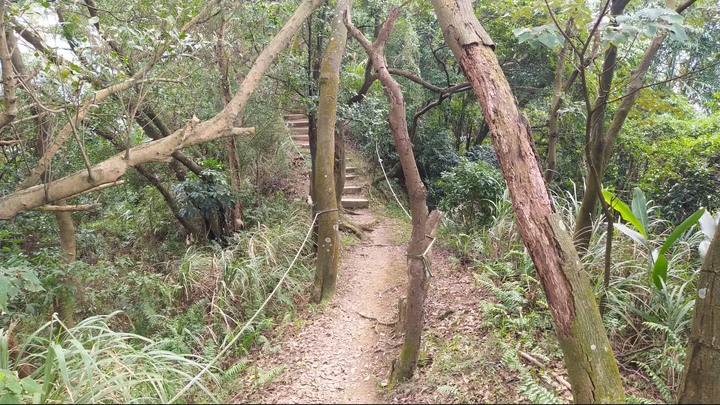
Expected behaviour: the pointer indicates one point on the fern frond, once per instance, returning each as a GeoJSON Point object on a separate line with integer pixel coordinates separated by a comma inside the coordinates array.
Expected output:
{"type": "Point", "coordinates": [265, 377]}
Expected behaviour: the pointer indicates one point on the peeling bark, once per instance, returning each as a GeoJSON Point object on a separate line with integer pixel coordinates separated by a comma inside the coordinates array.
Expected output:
{"type": "Point", "coordinates": [588, 356]}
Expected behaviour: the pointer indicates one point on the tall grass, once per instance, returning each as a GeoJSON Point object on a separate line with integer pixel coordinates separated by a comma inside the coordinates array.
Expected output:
{"type": "Point", "coordinates": [91, 363]}
{"type": "Point", "coordinates": [232, 282]}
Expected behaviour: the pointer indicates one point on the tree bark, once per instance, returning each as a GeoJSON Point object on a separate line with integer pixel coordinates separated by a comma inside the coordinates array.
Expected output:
{"type": "Point", "coordinates": [699, 383]}
{"type": "Point", "coordinates": [419, 255]}
{"type": "Point", "coordinates": [328, 242]}
{"type": "Point", "coordinates": [588, 356]}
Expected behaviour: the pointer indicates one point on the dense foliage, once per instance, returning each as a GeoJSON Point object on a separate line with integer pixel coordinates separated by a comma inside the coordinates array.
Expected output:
{"type": "Point", "coordinates": [164, 248]}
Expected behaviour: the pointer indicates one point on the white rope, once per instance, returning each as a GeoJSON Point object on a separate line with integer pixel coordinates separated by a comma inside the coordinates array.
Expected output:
{"type": "Point", "coordinates": [239, 334]}
{"type": "Point", "coordinates": [388, 181]}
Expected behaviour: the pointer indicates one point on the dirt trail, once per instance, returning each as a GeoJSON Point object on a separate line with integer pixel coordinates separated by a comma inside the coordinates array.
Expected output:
{"type": "Point", "coordinates": [343, 353]}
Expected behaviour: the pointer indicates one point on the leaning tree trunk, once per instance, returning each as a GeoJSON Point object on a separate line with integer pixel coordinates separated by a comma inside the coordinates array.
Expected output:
{"type": "Point", "coordinates": [326, 206]}
{"type": "Point", "coordinates": [194, 132]}
{"type": "Point", "coordinates": [699, 383]}
{"type": "Point", "coordinates": [423, 226]}
{"type": "Point", "coordinates": [588, 356]}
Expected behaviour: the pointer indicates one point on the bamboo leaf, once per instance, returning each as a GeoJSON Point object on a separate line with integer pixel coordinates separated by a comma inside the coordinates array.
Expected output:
{"type": "Point", "coordinates": [624, 211]}
{"type": "Point", "coordinates": [684, 226]}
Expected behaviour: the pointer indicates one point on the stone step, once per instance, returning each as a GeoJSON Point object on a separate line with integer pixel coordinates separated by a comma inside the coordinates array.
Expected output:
{"type": "Point", "coordinates": [298, 124]}
{"type": "Point", "coordinates": [351, 189]}
{"type": "Point", "coordinates": [295, 117]}
{"type": "Point", "coordinates": [355, 203]}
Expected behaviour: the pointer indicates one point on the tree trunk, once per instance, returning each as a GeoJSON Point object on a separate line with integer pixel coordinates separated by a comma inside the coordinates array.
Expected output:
{"type": "Point", "coordinates": [556, 101]}
{"type": "Point", "coordinates": [328, 242]}
{"type": "Point", "coordinates": [235, 221]}
{"type": "Point", "coordinates": [423, 226]}
{"type": "Point", "coordinates": [588, 356]}
{"type": "Point", "coordinates": [699, 383]}
{"type": "Point", "coordinates": [64, 302]}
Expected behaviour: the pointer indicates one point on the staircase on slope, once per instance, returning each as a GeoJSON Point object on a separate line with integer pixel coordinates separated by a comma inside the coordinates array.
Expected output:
{"type": "Point", "coordinates": [352, 197]}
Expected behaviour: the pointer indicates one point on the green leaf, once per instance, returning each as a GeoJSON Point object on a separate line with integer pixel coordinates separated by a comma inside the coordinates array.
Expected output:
{"type": "Point", "coordinates": [31, 386]}
{"type": "Point", "coordinates": [9, 399]}
{"type": "Point", "coordinates": [636, 236]}
{"type": "Point", "coordinates": [684, 226]}
{"type": "Point", "coordinates": [653, 13]}
{"type": "Point", "coordinates": [659, 271]}
{"type": "Point", "coordinates": [624, 211]}
{"type": "Point", "coordinates": [639, 208]}
{"type": "Point", "coordinates": [677, 33]}
{"type": "Point", "coordinates": [13, 385]}
{"type": "Point", "coordinates": [4, 288]}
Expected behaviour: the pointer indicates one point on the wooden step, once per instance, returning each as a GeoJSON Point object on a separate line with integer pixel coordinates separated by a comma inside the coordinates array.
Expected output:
{"type": "Point", "coordinates": [355, 203]}
{"type": "Point", "coordinates": [351, 189]}
{"type": "Point", "coordinates": [350, 176]}
{"type": "Point", "coordinates": [350, 169]}
{"type": "Point", "coordinates": [300, 137]}
{"type": "Point", "coordinates": [305, 145]}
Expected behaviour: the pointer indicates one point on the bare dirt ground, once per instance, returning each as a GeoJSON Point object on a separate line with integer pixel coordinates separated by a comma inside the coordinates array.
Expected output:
{"type": "Point", "coordinates": [342, 355]}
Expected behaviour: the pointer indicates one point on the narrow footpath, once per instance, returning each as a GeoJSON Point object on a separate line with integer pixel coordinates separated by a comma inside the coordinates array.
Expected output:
{"type": "Point", "coordinates": [343, 354]}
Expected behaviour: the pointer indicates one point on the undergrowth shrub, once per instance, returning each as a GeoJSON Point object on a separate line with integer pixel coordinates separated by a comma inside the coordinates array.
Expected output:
{"type": "Point", "coordinates": [648, 327]}
{"type": "Point", "coordinates": [470, 192]}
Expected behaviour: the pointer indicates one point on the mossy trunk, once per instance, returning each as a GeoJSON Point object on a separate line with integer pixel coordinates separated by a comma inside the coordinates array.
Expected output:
{"type": "Point", "coordinates": [591, 365]}
{"type": "Point", "coordinates": [699, 383]}
{"type": "Point", "coordinates": [326, 203]}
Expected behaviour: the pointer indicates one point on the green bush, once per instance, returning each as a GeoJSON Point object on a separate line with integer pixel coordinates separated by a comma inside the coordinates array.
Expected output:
{"type": "Point", "coordinates": [470, 191]}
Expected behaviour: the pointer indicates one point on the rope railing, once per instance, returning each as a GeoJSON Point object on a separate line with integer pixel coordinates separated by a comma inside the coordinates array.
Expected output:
{"type": "Point", "coordinates": [377, 150]}
{"type": "Point", "coordinates": [250, 321]}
